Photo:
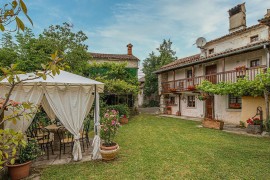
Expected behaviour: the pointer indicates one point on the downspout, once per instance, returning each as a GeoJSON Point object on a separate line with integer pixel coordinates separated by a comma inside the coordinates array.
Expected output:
{"type": "Point", "coordinates": [266, 92]}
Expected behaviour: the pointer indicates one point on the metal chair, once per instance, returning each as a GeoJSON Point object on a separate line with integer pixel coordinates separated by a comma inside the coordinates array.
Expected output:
{"type": "Point", "coordinates": [42, 135]}
{"type": "Point", "coordinates": [66, 138]}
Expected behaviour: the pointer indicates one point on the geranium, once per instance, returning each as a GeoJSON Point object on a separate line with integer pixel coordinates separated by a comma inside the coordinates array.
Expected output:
{"type": "Point", "coordinates": [254, 121]}
{"type": "Point", "coordinates": [109, 126]}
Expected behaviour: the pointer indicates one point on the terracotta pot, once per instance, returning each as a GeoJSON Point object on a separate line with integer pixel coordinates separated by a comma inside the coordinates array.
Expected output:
{"type": "Point", "coordinates": [109, 152]}
{"type": "Point", "coordinates": [19, 171]}
{"type": "Point", "coordinates": [124, 120]}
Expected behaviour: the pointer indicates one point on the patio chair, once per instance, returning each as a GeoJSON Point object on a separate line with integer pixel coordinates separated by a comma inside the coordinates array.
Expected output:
{"type": "Point", "coordinates": [66, 138]}
{"type": "Point", "coordinates": [85, 134]}
{"type": "Point", "coordinates": [42, 135]}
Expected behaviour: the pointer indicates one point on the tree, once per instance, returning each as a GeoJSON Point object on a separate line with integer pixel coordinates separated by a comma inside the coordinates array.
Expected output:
{"type": "Point", "coordinates": [9, 139]}
{"type": "Point", "coordinates": [10, 13]}
{"type": "Point", "coordinates": [70, 44]}
{"type": "Point", "coordinates": [155, 62]}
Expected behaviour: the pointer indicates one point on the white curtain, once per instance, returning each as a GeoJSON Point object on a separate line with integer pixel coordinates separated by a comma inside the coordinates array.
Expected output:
{"type": "Point", "coordinates": [21, 94]}
{"type": "Point", "coordinates": [71, 104]}
{"type": "Point", "coordinates": [96, 140]}
{"type": "Point", "coordinates": [47, 108]}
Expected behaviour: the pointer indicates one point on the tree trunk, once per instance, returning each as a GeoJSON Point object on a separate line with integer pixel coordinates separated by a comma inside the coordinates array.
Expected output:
{"type": "Point", "coordinates": [266, 98]}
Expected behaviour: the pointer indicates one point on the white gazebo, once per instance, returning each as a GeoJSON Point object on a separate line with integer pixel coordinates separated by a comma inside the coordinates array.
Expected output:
{"type": "Point", "coordinates": [67, 96]}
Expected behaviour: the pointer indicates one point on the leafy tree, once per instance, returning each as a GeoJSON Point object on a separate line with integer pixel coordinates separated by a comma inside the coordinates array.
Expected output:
{"type": "Point", "coordinates": [155, 62]}
{"type": "Point", "coordinates": [70, 44]}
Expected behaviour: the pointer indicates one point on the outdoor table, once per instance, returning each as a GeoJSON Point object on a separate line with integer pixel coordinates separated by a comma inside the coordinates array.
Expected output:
{"type": "Point", "coordinates": [53, 129]}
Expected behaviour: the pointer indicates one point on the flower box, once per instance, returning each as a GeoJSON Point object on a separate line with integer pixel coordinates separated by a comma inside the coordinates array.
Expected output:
{"type": "Point", "coordinates": [191, 88]}
{"type": "Point", "coordinates": [213, 124]}
{"type": "Point", "coordinates": [172, 89]}
{"type": "Point", "coordinates": [240, 68]}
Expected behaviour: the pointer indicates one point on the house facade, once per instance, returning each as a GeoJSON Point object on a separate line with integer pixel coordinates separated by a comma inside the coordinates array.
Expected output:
{"type": "Point", "coordinates": [244, 52]}
{"type": "Point", "coordinates": [132, 67]}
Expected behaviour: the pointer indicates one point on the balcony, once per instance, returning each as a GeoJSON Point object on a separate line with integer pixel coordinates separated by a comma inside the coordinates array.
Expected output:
{"type": "Point", "coordinates": [189, 84]}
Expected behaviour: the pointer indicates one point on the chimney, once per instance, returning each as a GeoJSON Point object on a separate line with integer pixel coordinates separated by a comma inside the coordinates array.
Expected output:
{"type": "Point", "coordinates": [266, 19]}
{"type": "Point", "coordinates": [129, 49]}
{"type": "Point", "coordinates": [237, 18]}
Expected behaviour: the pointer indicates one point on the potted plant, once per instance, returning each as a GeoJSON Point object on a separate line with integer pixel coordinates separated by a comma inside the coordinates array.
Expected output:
{"type": "Point", "coordinates": [254, 125]}
{"type": "Point", "coordinates": [123, 112]}
{"type": "Point", "coordinates": [123, 119]}
{"type": "Point", "coordinates": [20, 167]}
{"type": "Point", "coordinates": [108, 128]}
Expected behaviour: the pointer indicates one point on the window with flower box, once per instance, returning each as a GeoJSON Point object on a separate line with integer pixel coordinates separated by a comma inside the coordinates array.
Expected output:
{"type": "Point", "coordinates": [255, 63]}
{"type": "Point", "coordinates": [234, 102]}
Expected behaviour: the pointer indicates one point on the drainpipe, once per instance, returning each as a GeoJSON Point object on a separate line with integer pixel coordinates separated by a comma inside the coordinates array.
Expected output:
{"type": "Point", "coordinates": [267, 55]}
{"type": "Point", "coordinates": [266, 93]}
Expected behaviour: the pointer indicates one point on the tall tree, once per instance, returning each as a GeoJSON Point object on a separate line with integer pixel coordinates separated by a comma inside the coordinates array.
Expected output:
{"type": "Point", "coordinates": [154, 62]}
{"type": "Point", "coordinates": [70, 44]}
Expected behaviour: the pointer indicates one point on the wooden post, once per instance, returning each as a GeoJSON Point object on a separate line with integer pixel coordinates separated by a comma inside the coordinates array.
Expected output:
{"type": "Point", "coordinates": [193, 75]}
{"type": "Point", "coordinates": [223, 69]}
{"type": "Point", "coordinates": [173, 78]}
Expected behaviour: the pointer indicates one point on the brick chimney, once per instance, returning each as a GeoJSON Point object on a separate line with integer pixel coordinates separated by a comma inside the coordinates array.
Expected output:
{"type": "Point", "coordinates": [237, 16]}
{"type": "Point", "coordinates": [129, 49]}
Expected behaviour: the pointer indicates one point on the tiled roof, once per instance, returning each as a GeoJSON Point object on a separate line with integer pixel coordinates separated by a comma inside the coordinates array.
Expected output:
{"type": "Point", "coordinates": [185, 60]}
{"type": "Point", "coordinates": [113, 56]}
{"type": "Point", "coordinates": [197, 59]}
{"type": "Point", "coordinates": [236, 33]}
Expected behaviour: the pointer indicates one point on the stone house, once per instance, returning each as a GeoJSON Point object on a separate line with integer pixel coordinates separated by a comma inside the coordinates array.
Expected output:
{"type": "Point", "coordinates": [244, 51]}
{"type": "Point", "coordinates": [132, 67]}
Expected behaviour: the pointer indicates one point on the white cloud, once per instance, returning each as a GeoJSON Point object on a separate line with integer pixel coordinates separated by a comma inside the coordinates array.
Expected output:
{"type": "Point", "coordinates": [146, 23]}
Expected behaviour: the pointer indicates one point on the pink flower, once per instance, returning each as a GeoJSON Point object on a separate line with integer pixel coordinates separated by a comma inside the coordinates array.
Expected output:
{"type": "Point", "coordinates": [106, 115]}
{"type": "Point", "coordinates": [113, 122]}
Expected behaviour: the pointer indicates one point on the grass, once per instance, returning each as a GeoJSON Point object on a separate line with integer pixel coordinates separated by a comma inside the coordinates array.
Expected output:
{"type": "Point", "coordinates": [155, 147]}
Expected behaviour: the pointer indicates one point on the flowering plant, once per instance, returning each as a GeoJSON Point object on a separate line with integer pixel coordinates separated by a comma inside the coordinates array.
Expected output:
{"type": "Point", "coordinates": [254, 121]}
{"type": "Point", "coordinates": [109, 126]}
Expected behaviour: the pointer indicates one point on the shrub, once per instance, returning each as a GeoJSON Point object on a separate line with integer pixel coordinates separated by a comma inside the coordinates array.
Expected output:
{"type": "Point", "coordinates": [121, 108]}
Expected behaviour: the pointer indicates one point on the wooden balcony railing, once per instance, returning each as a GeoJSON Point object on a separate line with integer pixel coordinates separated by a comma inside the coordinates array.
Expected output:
{"type": "Point", "coordinates": [227, 76]}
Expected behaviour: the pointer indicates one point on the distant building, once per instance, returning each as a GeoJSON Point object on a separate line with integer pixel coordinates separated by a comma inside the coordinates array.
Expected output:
{"type": "Point", "coordinates": [241, 53]}
{"type": "Point", "coordinates": [132, 67]}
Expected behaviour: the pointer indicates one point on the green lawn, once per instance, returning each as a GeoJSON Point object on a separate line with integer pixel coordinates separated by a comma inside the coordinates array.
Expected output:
{"type": "Point", "coordinates": [155, 147]}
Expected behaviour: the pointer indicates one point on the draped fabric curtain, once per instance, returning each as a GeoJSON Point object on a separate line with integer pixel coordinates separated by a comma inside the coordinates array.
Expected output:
{"type": "Point", "coordinates": [21, 94]}
{"type": "Point", "coordinates": [96, 140]}
{"type": "Point", "coordinates": [71, 104]}
{"type": "Point", "coordinates": [47, 108]}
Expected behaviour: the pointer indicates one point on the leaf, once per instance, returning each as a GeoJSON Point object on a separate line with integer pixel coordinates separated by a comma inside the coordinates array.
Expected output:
{"type": "Point", "coordinates": [14, 4]}
{"type": "Point", "coordinates": [30, 20]}
{"type": "Point", "coordinates": [2, 27]}
{"type": "Point", "coordinates": [24, 8]}
{"type": "Point", "coordinates": [20, 24]}
{"type": "Point", "coordinates": [12, 161]}
{"type": "Point", "coordinates": [14, 121]}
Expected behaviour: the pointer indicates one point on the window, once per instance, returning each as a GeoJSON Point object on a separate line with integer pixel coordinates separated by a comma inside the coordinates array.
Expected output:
{"type": "Point", "coordinates": [211, 51]}
{"type": "Point", "coordinates": [189, 73]}
{"type": "Point", "coordinates": [191, 101]}
{"type": "Point", "coordinates": [254, 38]}
{"type": "Point", "coordinates": [255, 63]}
{"type": "Point", "coordinates": [172, 100]}
{"type": "Point", "coordinates": [235, 102]}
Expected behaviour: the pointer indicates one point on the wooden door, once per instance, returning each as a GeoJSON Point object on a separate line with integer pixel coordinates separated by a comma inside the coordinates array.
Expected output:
{"type": "Point", "coordinates": [210, 72]}
{"type": "Point", "coordinates": [209, 104]}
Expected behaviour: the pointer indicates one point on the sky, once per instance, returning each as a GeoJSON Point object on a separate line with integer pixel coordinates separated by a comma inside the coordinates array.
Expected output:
{"type": "Point", "coordinates": [111, 24]}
